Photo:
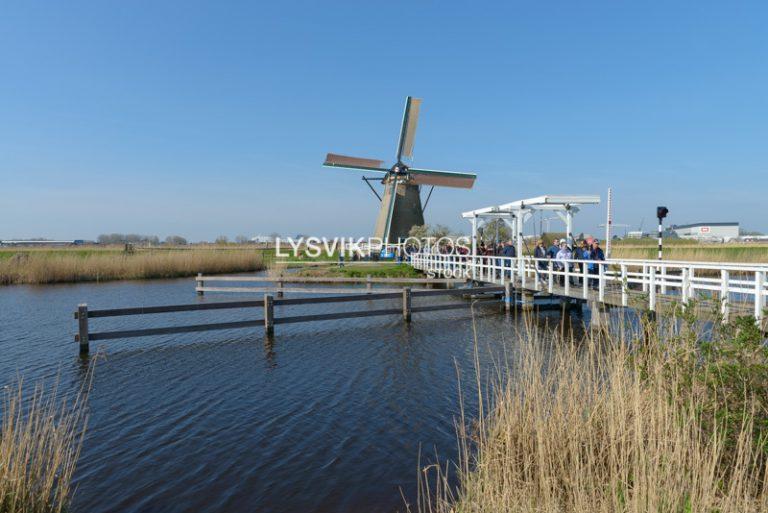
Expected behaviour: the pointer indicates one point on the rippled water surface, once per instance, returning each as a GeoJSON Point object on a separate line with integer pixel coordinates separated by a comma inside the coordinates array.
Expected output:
{"type": "Point", "coordinates": [328, 418]}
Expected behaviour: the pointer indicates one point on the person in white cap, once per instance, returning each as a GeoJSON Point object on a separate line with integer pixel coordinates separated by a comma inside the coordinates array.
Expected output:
{"type": "Point", "coordinates": [563, 255]}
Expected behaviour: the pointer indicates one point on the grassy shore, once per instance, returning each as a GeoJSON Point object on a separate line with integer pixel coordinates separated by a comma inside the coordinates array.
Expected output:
{"type": "Point", "coordinates": [621, 422]}
{"type": "Point", "coordinates": [39, 266]}
{"type": "Point", "coordinates": [361, 270]}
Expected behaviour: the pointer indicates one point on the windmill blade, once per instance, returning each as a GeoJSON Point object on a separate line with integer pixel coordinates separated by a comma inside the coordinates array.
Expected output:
{"type": "Point", "coordinates": [333, 160]}
{"type": "Point", "coordinates": [390, 196]}
{"type": "Point", "coordinates": [441, 178]}
{"type": "Point", "coordinates": [408, 130]}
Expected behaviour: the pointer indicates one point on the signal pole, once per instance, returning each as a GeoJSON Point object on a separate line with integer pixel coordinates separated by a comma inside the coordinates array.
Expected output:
{"type": "Point", "coordinates": [661, 213]}
{"type": "Point", "coordinates": [608, 223]}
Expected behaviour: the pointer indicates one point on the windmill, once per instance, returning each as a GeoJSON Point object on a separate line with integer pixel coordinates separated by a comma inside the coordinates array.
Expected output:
{"type": "Point", "coordinates": [401, 207]}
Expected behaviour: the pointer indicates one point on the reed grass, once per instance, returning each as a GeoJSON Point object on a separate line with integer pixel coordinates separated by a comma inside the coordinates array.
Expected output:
{"type": "Point", "coordinates": [38, 267]}
{"type": "Point", "coordinates": [40, 441]}
{"type": "Point", "coordinates": [741, 253]}
{"type": "Point", "coordinates": [613, 423]}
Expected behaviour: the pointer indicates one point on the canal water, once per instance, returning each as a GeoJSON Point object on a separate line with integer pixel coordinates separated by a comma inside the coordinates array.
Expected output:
{"type": "Point", "coordinates": [330, 417]}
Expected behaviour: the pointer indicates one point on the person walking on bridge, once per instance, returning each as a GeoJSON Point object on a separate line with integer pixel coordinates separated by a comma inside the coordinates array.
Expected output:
{"type": "Point", "coordinates": [596, 254]}
{"type": "Point", "coordinates": [580, 252]}
{"type": "Point", "coordinates": [508, 251]}
{"type": "Point", "coordinates": [553, 249]}
{"type": "Point", "coordinates": [540, 253]}
{"type": "Point", "coordinates": [564, 254]}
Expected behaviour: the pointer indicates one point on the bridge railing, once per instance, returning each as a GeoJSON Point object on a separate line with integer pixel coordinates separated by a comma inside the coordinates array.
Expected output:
{"type": "Point", "coordinates": [730, 284]}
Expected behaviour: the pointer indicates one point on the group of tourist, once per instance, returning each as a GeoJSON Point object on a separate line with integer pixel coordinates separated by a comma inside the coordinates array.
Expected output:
{"type": "Point", "coordinates": [564, 256]}
{"type": "Point", "coordinates": [560, 253]}
{"type": "Point", "coordinates": [506, 249]}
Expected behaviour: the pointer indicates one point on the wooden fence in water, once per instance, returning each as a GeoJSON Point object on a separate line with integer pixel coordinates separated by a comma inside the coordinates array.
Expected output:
{"type": "Point", "coordinates": [269, 319]}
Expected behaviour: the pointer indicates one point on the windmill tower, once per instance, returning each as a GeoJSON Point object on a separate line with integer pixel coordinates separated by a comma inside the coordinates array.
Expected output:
{"type": "Point", "coordinates": [401, 206]}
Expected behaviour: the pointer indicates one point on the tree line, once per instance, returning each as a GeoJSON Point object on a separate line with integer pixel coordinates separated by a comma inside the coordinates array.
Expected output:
{"type": "Point", "coordinates": [154, 240]}
{"type": "Point", "coordinates": [135, 238]}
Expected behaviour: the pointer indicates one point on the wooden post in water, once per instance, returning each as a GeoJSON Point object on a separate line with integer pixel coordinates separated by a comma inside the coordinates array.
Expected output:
{"type": "Point", "coordinates": [280, 286]}
{"type": "Point", "coordinates": [82, 327]}
{"type": "Point", "coordinates": [507, 295]}
{"type": "Point", "coordinates": [200, 283]}
{"type": "Point", "coordinates": [407, 304]}
{"type": "Point", "coordinates": [269, 314]}
{"type": "Point", "coordinates": [368, 284]}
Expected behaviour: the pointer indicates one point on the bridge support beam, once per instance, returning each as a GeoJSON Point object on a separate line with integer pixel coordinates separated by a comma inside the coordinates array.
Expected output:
{"type": "Point", "coordinates": [725, 300]}
{"type": "Point", "coordinates": [599, 316]}
{"type": "Point", "coordinates": [474, 246]}
{"type": "Point", "coordinates": [508, 297]}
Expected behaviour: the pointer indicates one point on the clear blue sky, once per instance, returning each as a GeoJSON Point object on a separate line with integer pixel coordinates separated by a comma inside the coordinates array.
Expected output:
{"type": "Point", "coordinates": [208, 118]}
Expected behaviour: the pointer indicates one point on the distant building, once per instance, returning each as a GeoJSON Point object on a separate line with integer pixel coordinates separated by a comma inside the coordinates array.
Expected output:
{"type": "Point", "coordinates": [262, 239]}
{"type": "Point", "coordinates": [708, 231]}
{"type": "Point", "coordinates": [637, 234]}
{"type": "Point", "coordinates": [42, 242]}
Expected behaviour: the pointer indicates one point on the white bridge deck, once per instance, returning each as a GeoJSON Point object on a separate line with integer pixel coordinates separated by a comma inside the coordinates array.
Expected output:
{"type": "Point", "coordinates": [717, 290]}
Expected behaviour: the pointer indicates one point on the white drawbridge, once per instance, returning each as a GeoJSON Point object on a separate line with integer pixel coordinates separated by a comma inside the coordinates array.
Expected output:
{"type": "Point", "coordinates": [723, 289]}
{"type": "Point", "coordinates": [516, 213]}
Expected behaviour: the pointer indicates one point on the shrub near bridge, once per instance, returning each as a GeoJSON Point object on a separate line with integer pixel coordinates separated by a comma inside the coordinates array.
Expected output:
{"type": "Point", "coordinates": [728, 368]}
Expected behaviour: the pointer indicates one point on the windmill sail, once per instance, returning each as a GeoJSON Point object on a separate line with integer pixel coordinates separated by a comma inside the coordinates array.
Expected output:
{"type": "Point", "coordinates": [333, 160]}
{"type": "Point", "coordinates": [442, 178]}
{"type": "Point", "coordinates": [384, 221]}
{"type": "Point", "coordinates": [408, 129]}
{"type": "Point", "coordinates": [400, 207]}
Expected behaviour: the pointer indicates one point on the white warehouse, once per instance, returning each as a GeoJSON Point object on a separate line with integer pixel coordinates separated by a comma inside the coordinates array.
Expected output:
{"type": "Point", "coordinates": [708, 231]}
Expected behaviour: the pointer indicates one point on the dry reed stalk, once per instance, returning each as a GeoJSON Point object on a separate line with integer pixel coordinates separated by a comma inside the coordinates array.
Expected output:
{"type": "Point", "coordinates": [40, 440]}
{"type": "Point", "coordinates": [745, 253]}
{"type": "Point", "coordinates": [590, 426]}
{"type": "Point", "coordinates": [276, 268]}
{"type": "Point", "coordinates": [38, 268]}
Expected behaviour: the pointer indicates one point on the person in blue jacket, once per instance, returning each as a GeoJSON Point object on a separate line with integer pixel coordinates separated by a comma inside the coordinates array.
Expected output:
{"type": "Point", "coordinates": [596, 253]}
{"type": "Point", "coordinates": [553, 249]}
{"type": "Point", "coordinates": [508, 251]}
{"type": "Point", "coordinates": [540, 252]}
{"type": "Point", "coordinates": [580, 252]}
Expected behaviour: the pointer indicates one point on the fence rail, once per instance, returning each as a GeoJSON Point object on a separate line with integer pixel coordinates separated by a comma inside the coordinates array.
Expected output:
{"type": "Point", "coordinates": [269, 320]}
{"type": "Point", "coordinates": [203, 284]}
